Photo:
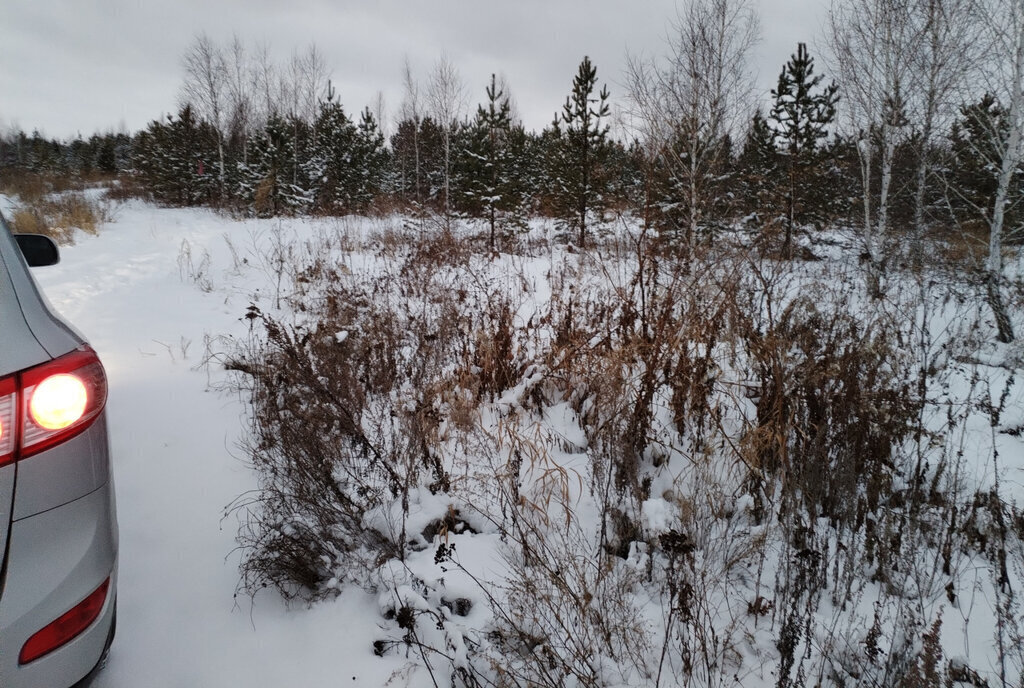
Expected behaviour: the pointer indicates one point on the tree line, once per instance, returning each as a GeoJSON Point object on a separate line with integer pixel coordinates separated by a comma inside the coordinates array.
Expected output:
{"type": "Point", "coordinates": [918, 130]}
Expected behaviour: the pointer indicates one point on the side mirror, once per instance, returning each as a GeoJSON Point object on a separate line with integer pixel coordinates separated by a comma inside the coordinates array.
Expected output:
{"type": "Point", "coordinates": [39, 250]}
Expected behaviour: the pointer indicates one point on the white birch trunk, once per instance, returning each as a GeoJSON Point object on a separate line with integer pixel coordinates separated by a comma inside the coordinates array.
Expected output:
{"type": "Point", "coordinates": [1011, 160]}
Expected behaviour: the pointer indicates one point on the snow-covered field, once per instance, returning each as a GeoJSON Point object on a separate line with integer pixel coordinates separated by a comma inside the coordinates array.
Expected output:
{"type": "Point", "coordinates": [149, 292]}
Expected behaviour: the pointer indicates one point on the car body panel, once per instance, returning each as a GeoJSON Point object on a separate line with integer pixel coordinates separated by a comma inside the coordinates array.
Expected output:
{"type": "Point", "coordinates": [19, 345]}
{"type": "Point", "coordinates": [7, 478]}
{"type": "Point", "coordinates": [18, 349]}
{"type": "Point", "coordinates": [54, 335]}
{"type": "Point", "coordinates": [63, 473]}
{"type": "Point", "coordinates": [60, 557]}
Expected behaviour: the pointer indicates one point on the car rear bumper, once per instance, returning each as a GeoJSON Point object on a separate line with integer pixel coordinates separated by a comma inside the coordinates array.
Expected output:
{"type": "Point", "coordinates": [55, 560]}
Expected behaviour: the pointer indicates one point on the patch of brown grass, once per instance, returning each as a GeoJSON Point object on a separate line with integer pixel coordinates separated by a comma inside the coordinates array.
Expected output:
{"type": "Point", "coordinates": [28, 186]}
{"type": "Point", "coordinates": [59, 216]}
{"type": "Point", "coordinates": [963, 246]}
{"type": "Point", "coordinates": [126, 188]}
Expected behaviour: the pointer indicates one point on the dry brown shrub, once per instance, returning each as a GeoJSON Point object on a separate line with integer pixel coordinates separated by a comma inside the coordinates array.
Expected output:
{"type": "Point", "coordinates": [28, 186]}
{"type": "Point", "coordinates": [29, 221]}
{"type": "Point", "coordinates": [264, 203]}
{"type": "Point", "coordinates": [320, 473]}
{"type": "Point", "coordinates": [126, 188]}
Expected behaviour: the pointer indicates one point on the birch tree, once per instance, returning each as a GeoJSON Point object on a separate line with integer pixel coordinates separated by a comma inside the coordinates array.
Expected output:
{"type": "Point", "coordinates": [265, 79]}
{"type": "Point", "coordinates": [871, 41]}
{"type": "Point", "coordinates": [446, 95]}
{"type": "Point", "coordinates": [240, 84]}
{"type": "Point", "coordinates": [939, 63]}
{"type": "Point", "coordinates": [689, 102]}
{"type": "Point", "coordinates": [1002, 25]}
{"type": "Point", "coordinates": [301, 88]}
{"type": "Point", "coordinates": [205, 89]}
{"type": "Point", "coordinates": [311, 81]}
{"type": "Point", "coordinates": [412, 111]}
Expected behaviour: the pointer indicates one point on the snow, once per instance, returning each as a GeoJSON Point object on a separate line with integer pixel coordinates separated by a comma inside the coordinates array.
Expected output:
{"type": "Point", "coordinates": [156, 289]}
{"type": "Point", "coordinates": [657, 516]}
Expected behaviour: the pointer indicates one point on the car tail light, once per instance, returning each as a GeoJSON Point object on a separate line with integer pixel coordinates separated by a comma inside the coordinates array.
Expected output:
{"type": "Point", "coordinates": [66, 628]}
{"type": "Point", "coordinates": [49, 404]}
{"type": "Point", "coordinates": [8, 419]}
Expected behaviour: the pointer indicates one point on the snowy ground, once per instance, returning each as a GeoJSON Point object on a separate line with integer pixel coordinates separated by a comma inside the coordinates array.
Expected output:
{"type": "Point", "coordinates": [176, 468]}
{"type": "Point", "coordinates": [148, 292]}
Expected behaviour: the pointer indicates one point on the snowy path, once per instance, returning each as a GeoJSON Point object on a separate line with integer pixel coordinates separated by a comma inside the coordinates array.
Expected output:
{"type": "Point", "coordinates": [176, 467]}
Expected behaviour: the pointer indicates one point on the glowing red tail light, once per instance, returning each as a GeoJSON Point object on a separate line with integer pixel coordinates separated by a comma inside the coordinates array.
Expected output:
{"type": "Point", "coordinates": [66, 628]}
{"type": "Point", "coordinates": [49, 404]}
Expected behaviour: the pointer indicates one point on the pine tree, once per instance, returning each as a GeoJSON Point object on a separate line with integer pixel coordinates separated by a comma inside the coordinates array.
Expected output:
{"type": "Point", "coordinates": [486, 174]}
{"type": "Point", "coordinates": [106, 159]}
{"type": "Point", "coordinates": [759, 167]}
{"type": "Point", "coordinates": [369, 162]}
{"type": "Point", "coordinates": [418, 148]}
{"type": "Point", "coordinates": [576, 168]}
{"type": "Point", "coordinates": [801, 114]}
{"type": "Point", "coordinates": [974, 170]}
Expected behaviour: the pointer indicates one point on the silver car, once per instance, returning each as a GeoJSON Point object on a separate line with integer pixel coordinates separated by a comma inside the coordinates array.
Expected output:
{"type": "Point", "coordinates": [58, 527]}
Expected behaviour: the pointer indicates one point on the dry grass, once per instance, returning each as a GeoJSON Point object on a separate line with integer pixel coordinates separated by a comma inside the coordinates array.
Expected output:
{"type": "Point", "coordinates": [53, 204]}
{"type": "Point", "coordinates": [31, 187]}
{"type": "Point", "coordinates": [59, 216]}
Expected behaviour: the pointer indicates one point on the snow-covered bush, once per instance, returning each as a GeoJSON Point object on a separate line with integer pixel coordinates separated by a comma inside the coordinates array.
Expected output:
{"type": "Point", "coordinates": [736, 471]}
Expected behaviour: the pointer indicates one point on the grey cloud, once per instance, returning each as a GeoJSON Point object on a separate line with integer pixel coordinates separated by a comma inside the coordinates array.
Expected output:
{"type": "Point", "coordinates": [70, 66]}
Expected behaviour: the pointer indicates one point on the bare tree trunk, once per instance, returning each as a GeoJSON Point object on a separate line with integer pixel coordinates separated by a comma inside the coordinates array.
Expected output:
{"type": "Point", "coordinates": [694, 201]}
{"type": "Point", "coordinates": [446, 95]}
{"type": "Point", "coordinates": [920, 181]}
{"type": "Point", "coordinates": [929, 64]}
{"type": "Point", "coordinates": [787, 241]}
{"type": "Point", "coordinates": [994, 296]}
{"type": "Point", "coordinates": [411, 112]}
{"type": "Point", "coordinates": [877, 249]}
{"type": "Point", "coordinates": [941, 61]}
{"type": "Point", "coordinates": [1006, 26]}
{"type": "Point", "coordinates": [888, 151]}
{"type": "Point", "coordinates": [582, 200]}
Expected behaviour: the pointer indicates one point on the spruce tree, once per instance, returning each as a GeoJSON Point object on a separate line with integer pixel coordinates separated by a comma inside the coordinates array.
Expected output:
{"type": "Point", "coordinates": [275, 181]}
{"type": "Point", "coordinates": [801, 115]}
{"type": "Point", "coordinates": [580, 148]}
{"type": "Point", "coordinates": [175, 160]}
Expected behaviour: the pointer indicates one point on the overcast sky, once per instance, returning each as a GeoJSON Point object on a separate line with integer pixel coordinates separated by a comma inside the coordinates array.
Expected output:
{"type": "Point", "coordinates": [80, 66]}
